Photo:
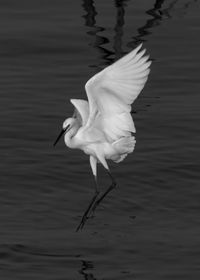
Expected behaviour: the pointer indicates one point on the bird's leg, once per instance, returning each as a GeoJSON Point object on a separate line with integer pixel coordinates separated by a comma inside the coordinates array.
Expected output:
{"type": "Point", "coordinates": [93, 163]}
{"type": "Point", "coordinates": [85, 215]}
{"type": "Point", "coordinates": [111, 187]}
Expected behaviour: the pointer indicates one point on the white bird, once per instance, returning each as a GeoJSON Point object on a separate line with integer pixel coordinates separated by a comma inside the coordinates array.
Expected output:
{"type": "Point", "coordinates": [102, 126]}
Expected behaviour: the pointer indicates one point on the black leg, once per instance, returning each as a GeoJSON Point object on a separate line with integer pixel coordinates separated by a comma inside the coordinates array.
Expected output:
{"type": "Point", "coordinates": [85, 215]}
{"type": "Point", "coordinates": [111, 187]}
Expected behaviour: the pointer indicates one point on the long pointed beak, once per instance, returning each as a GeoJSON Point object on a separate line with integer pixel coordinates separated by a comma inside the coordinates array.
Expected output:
{"type": "Point", "coordinates": [60, 135]}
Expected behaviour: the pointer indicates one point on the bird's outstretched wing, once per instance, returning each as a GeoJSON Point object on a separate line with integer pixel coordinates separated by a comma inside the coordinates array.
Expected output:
{"type": "Point", "coordinates": [112, 91]}
{"type": "Point", "coordinates": [81, 110]}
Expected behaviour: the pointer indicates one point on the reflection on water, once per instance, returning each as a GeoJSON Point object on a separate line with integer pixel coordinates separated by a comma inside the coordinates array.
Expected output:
{"type": "Point", "coordinates": [158, 15]}
{"type": "Point", "coordinates": [120, 6]}
{"type": "Point", "coordinates": [99, 41]}
{"type": "Point", "coordinates": [85, 270]}
{"type": "Point", "coordinates": [160, 11]}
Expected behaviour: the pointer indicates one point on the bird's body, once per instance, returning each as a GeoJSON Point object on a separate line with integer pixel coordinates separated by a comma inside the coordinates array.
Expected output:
{"type": "Point", "coordinates": [103, 126]}
{"type": "Point", "coordinates": [93, 140]}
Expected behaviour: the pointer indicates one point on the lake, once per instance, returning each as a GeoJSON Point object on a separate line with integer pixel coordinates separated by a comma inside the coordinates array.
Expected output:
{"type": "Point", "coordinates": [149, 226]}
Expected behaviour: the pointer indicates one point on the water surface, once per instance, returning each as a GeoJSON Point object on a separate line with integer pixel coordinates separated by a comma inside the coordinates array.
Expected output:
{"type": "Point", "coordinates": [48, 51]}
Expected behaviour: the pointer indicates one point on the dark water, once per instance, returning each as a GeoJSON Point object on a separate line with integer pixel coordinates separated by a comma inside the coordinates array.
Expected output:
{"type": "Point", "coordinates": [48, 50]}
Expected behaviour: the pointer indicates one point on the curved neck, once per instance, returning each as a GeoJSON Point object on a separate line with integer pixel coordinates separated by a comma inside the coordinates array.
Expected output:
{"type": "Point", "coordinates": [69, 137]}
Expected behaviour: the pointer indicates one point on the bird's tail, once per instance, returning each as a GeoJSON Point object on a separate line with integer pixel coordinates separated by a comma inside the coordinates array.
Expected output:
{"type": "Point", "coordinates": [124, 146]}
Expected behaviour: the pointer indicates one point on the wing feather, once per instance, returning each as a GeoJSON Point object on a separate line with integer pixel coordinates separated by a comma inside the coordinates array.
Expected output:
{"type": "Point", "coordinates": [112, 91]}
{"type": "Point", "coordinates": [81, 110]}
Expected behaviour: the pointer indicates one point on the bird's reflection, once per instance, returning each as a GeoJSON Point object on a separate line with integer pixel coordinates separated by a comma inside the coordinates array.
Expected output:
{"type": "Point", "coordinates": [120, 6]}
{"type": "Point", "coordinates": [98, 41]}
{"type": "Point", "coordinates": [87, 275]}
{"type": "Point", "coordinates": [158, 14]}
{"type": "Point", "coordinates": [160, 11]}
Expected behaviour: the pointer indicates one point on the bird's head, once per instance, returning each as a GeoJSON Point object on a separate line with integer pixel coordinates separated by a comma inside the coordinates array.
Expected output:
{"type": "Point", "coordinates": [67, 125]}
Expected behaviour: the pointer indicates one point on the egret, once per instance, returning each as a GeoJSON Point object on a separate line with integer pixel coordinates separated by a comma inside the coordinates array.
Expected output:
{"type": "Point", "coordinates": [103, 126]}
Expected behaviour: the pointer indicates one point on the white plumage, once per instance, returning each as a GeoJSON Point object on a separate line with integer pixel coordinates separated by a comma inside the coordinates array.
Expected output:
{"type": "Point", "coordinates": [102, 126]}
